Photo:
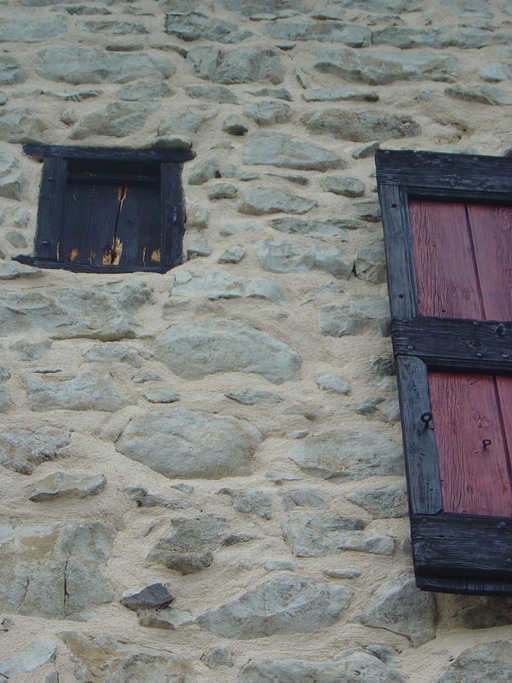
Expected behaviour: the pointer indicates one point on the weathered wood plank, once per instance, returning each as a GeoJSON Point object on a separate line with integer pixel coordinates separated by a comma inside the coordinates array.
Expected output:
{"type": "Point", "coordinates": [469, 586]}
{"type": "Point", "coordinates": [419, 439]}
{"type": "Point", "coordinates": [49, 216]}
{"type": "Point", "coordinates": [473, 462]}
{"type": "Point", "coordinates": [138, 226]}
{"type": "Point", "coordinates": [172, 214]}
{"type": "Point", "coordinates": [81, 268]}
{"type": "Point", "coordinates": [109, 153]}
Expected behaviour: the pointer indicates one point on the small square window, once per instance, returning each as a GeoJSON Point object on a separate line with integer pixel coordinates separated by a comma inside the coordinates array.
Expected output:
{"type": "Point", "coordinates": [109, 210]}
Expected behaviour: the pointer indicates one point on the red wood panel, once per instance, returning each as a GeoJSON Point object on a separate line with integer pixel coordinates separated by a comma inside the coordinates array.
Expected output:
{"type": "Point", "coordinates": [474, 479]}
{"type": "Point", "coordinates": [444, 261]}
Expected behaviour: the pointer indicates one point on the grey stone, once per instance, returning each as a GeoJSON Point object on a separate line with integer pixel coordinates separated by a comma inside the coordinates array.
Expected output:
{"type": "Point", "coordinates": [172, 142]}
{"type": "Point", "coordinates": [289, 604]}
{"type": "Point", "coordinates": [355, 317]}
{"type": "Point", "coordinates": [16, 239]}
{"type": "Point", "coordinates": [22, 450]}
{"type": "Point", "coordinates": [370, 263]}
{"type": "Point", "coordinates": [249, 8]}
{"type": "Point", "coordinates": [118, 119]}
{"type": "Point", "coordinates": [195, 26]}
{"type": "Point", "coordinates": [292, 178]}
{"type": "Point", "coordinates": [187, 120]}
{"type": "Point", "coordinates": [339, 93]}
{"type": "Point", "coordinates": [476, 7]}
{"type": "Point", "coordinates": [235, 228]}
{"type": "Point", "coordinates": [37, 30]}
{"type": "Point", "coordinates": [162, 396]}
{"type": "Point", "coordinates": [169, 618]}
{"type": "Point", "coordinates": [61, 484]}
{"type": "Point", "coordinates": [400, 607]}
{"type": "Point", "coordinates": [234, 125]}
{"type": "Point", "coordinates": [259, 201]}
{"type": "Point", "coordinates": [77, 65]}
{"type": "Point", "coordinates": [27, 350]}
{"type": "Point", "coordinates": [21, 218]}
{"type": "Point", "coordinates": [112, 352]}
{"type": "Point", "coordinates": [3, 98]}
{"type": "Point", "coordinates": [146, 376]}
{"type": "Point", "coordinates": [5, 405]}
{"type": "Point", "coordinates": [12, 178]}
{"type": "Point", "coordinates": [4, 374]}
{"type": "Point", "coordinates": [184, 443]}
{"type": "Point", "coordinates": [116, 27]}
{"type": "Point", "coordinates": [330, 382]}
{"type": "Point", "coordinates": [222, 191]}
{"type": "Point", "coordinates": [235, 254]}
{"type": "Point", "coordinates": [281, 256]}
{"type": "Point", "coordinates": [368, 210]}
{"type": "Point", "coordinates": [483, 616]}
{"type": "Point", "coordinates": [342, 573]}
{"type": "Point", "coordinates": [382, 6]}
{"type": "Point", "coordinates": [123, 662]}
{"type": "Point", "coordinates": [221, 345]}
{"type": "Point", "coordinates": [12, 70]}
{"type": "Point", "coordinates": [360, 126]}
{"type": "Point", "coordinates": [55, 571]}
{"type": "Point", "coordinates": [178, 5]}
{"type": "Point", "coordinates": [203, 171]}
{"type": "Point", "coordinates": [212, 93]}
{"type": "Point", "coordinates": [251, 397]}
{"type": "Point", "coordinates": [281, 565]}
{"type": "Point", "coordinates": [348, 666]}
{"type": "Point", "coordinates": [217, 656]}
{"type": "Point", "coordinates": [482, 94]}
{"type": "Point", "coordinates": [343, 185]}
{"type": "Point", "coordinates": [494, 72]}
{"type": "Point", "coordinates": [491, 661]}
{"type": "Point", "coordinates": [316, 229]}
{"type": "Point", "coordinates": [309, 535]}
{"type": "Point", "coordinates": [376, 67]}
{"type": "Point", "coordinates": [347, 454]}
{"type": "Point", "coordinates": [365, 151]}
{"type": "Point", "coordinates": [155, 596]}
{"type": "Point", "coordinates": [240, 65]}
{"type": "Point", "coordinates": [102, 312]}
{"type": "Point", "coordinates": [268, 112]}
{"type": "Point", "coordinates": [307, 498]}
{"type": "Point", "coordinates": [89, 390]}
{"type": "Point", "coordinates": [145, 91]}
{"type": "Point", "coordinates": [251, 502]}
{"type": "Point", "coordinates": [30, 658]}
{"type": "Point", "coordinates": [287, 152]}
{"type": "Point", "coordinates": [21, 125]}
{"type": "Point", "coordinates": [324, 31]}
{"type": "Point", "coordinates": [218, 284]}
{"type": "Point", "coordinates": [440, 38]}
{"type": "Point", "coordinates": [281, 477]}
{"type": "Point", "coordinates": [382, 503]}
{"type": "Point", "coordinates": [80, 9]}
{"type": "Point", "coordinates": [190, 548]}
{"type": "Point", "coordinates": [148, 500]}
{"type": "Point", "coordinates": [198, 247]}
{"type": "Point", "coordinates": [69, 116]}
{"type": "Point", "coordinates": [197, 217]}
{"type": "Point", "coordinates": [278, 93]}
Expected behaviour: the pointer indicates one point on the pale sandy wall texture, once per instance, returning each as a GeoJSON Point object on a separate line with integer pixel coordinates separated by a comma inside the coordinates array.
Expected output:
{"type": "Point", "coordinates": [229, 429]}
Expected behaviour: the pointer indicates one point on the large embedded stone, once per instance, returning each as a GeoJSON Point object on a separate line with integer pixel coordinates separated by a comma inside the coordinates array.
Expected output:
{"type": "Point", "coordinates": [145, 91]}
{"type": "Point", "coordinates": [487, 662]}
{"type": "Point", "coordinates": [324, 31]}
{"type": "Point", "coordinates": [116, 28]}
{"type": "Point", "coordinates": [348, 666]}
{"type": "Point", "coordinates": [339, 93]}
{"type": "Point", "coordinates": [155, 596]}
{"type": "Point", "coordinates": [371, 263]}
{"type": "Point", "coordinates": [117, 120]}
{"type": "Point", "coordinates": [355, 317]}
{"type": "Point", "coordinates": [221, 345]}
{"type": "Point", "coordinates": [12, 184]}
{"type": "Point", "coordinates": [187, 120]}
{"type": "Point", "coordinates": [62, 484]}
{"type": "Point", "coordinates": [360, 126]}
{"type": "Point", "coordinates": [316, 229]}
{"type": "Point", "coordinates": [281, 256]}
{"type": "Point", "coordinates": [189, 444]}
{"type": "Point", "coordinates": [249, 7]}
{"type": "Point", "coordinates": [284, 151]}
{"type": "Point", "coordinates": [77, 65]}
{"type": "Point", "coordinates": [439, 38]}
{"type": "Point", "coordinates": [382, 6]}
{"type": "Point", "coordinates": [21, 125]}
{"type": "Point", "coordinates": [378, 67]}
{"type": "Point", "coordinates": [195, 26]}
{"type": "Point", "coordinates": [481, 94]}
{"type": "Point", "coordinates": [290, 604]}
{"type": "Point", "coordinates": [102, 312]}
{"type": "Point", "coordinates": [310, 535]}
{"type": "Point", "coordinates": [259, 201]}
{"type": "Point", "coordinates": [217, 284]}
{"type": "Point", "coordinates": [21, 450]}
{"type": "Point", "coordinates": [347, 454]}
{"type": "Point", "coordinates": [401, 607]}
{"type": "Point", "coordinates": [37, 30]}
{"type": "Point", "coordinates": [190, 547]}
{"type": "Point", "coordinates": [251, 502]}
{"type": "Point", "coordinates": [343, 185]}
{"type": "Point", "coordinates": [475, 8]}
{"type": "Point", "coordinates": [107, 660]}
{"type": "Point", "coordinates": [382, 503]}
{"type": "Point", "coordinates": [30, 658]}
{"type": "Point", "coordinates": [241, 65]}
{"type": "Point", "coordinates": [12, 70]}
{"type": "Point", "coordinates": [268, 112]}
{"type": "Point", "coordinates": [212, 93]}
{"type": "Point", "coordinates": [89, 390]}
{"type": "Point", "coordinates": [55, 572]}
{"type": "Point", "coordinates": [113, 352]}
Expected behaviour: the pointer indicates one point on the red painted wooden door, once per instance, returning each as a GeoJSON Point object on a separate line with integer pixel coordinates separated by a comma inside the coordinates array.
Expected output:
{"type": "Point", "coordinates": [463, 263]}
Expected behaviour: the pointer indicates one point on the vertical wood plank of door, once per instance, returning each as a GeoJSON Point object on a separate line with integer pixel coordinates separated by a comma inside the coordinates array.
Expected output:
{"type": "Point", "coordinates": [138, 227]}
{"type": "Point", "coordinates": [444, 262]}
{"type": "Point", "coordinates": [474, 479]}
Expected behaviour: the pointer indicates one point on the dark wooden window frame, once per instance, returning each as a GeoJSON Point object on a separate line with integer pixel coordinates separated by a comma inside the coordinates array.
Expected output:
{"type": "Point", "coordinates": [168, 165]}
{"type": "Point", "coordinates": [452, 552]}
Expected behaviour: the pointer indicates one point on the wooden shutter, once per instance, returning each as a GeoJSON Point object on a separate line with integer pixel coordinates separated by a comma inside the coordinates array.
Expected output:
{"type": "Point", "coordinates": [448, 231]}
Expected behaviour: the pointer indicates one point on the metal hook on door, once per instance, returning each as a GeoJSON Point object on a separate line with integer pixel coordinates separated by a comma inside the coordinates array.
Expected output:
{"type": "Point", "coordinates": [485, 443]}
{"type": "Point", "coordinates": [426, 418]}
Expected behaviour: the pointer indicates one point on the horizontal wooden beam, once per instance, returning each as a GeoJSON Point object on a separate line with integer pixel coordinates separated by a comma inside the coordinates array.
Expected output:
{"type": "Point", "coordinates": [109, 153]}
{"type": "Point", "coordinates": [85, 268]}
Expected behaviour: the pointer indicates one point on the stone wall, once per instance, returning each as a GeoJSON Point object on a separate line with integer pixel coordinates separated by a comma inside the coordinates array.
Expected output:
{"type": "Point", "coordinates": [202, 471]}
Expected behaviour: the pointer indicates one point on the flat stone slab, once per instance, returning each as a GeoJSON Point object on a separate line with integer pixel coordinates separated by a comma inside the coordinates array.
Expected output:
{"type": "Point", "coordinates": [259, 201]}
{"type": "Point", "coordinates": [239, 65]}
{"type": "Point", "coordinates": [290, 604]}
{"type": "Point", "coordinates": [29, 659]}
{"type": "Point", "coordinates": [355, 317]}
{"type": "Point", "coordinates": [219, 284]}
{"type": "Point", "coordinates": [490, 661]}
{"type": "Point", "coordinates": [21, 125]}
{"type": "Point", "coordinates": [37, 30]}
{"type": "Point", "coordinates": [282, 256]}
{"type": "Point", "coordinates": [117, 120]}
{"type": "Point", "coordinates": [63, 485]}
{"type": "Point", "coordinates": [361, 126]}
{"type": "Point", "coordinates": [221, 345]}
{"type": "Point", "coordinates": [155, 596]}
{"type": "Point", "coordinates": [284, 151]}
{"type": "Point", "coordinates": [12, 184]}
{"type": "Point", "coordinates": [22, 450]}
{"type": "Point", "coordinates": [188, 444]}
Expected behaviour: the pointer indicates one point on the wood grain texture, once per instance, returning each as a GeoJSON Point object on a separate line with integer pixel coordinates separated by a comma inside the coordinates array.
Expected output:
{"type": "Point", "coordinates": [109, 153]}
{"type": "Point", "coordinates": [172, 213]}
{"type": "Point", "coordinates": [49, 215]}
{"type": "Point", "coordinates": [138, 226]}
